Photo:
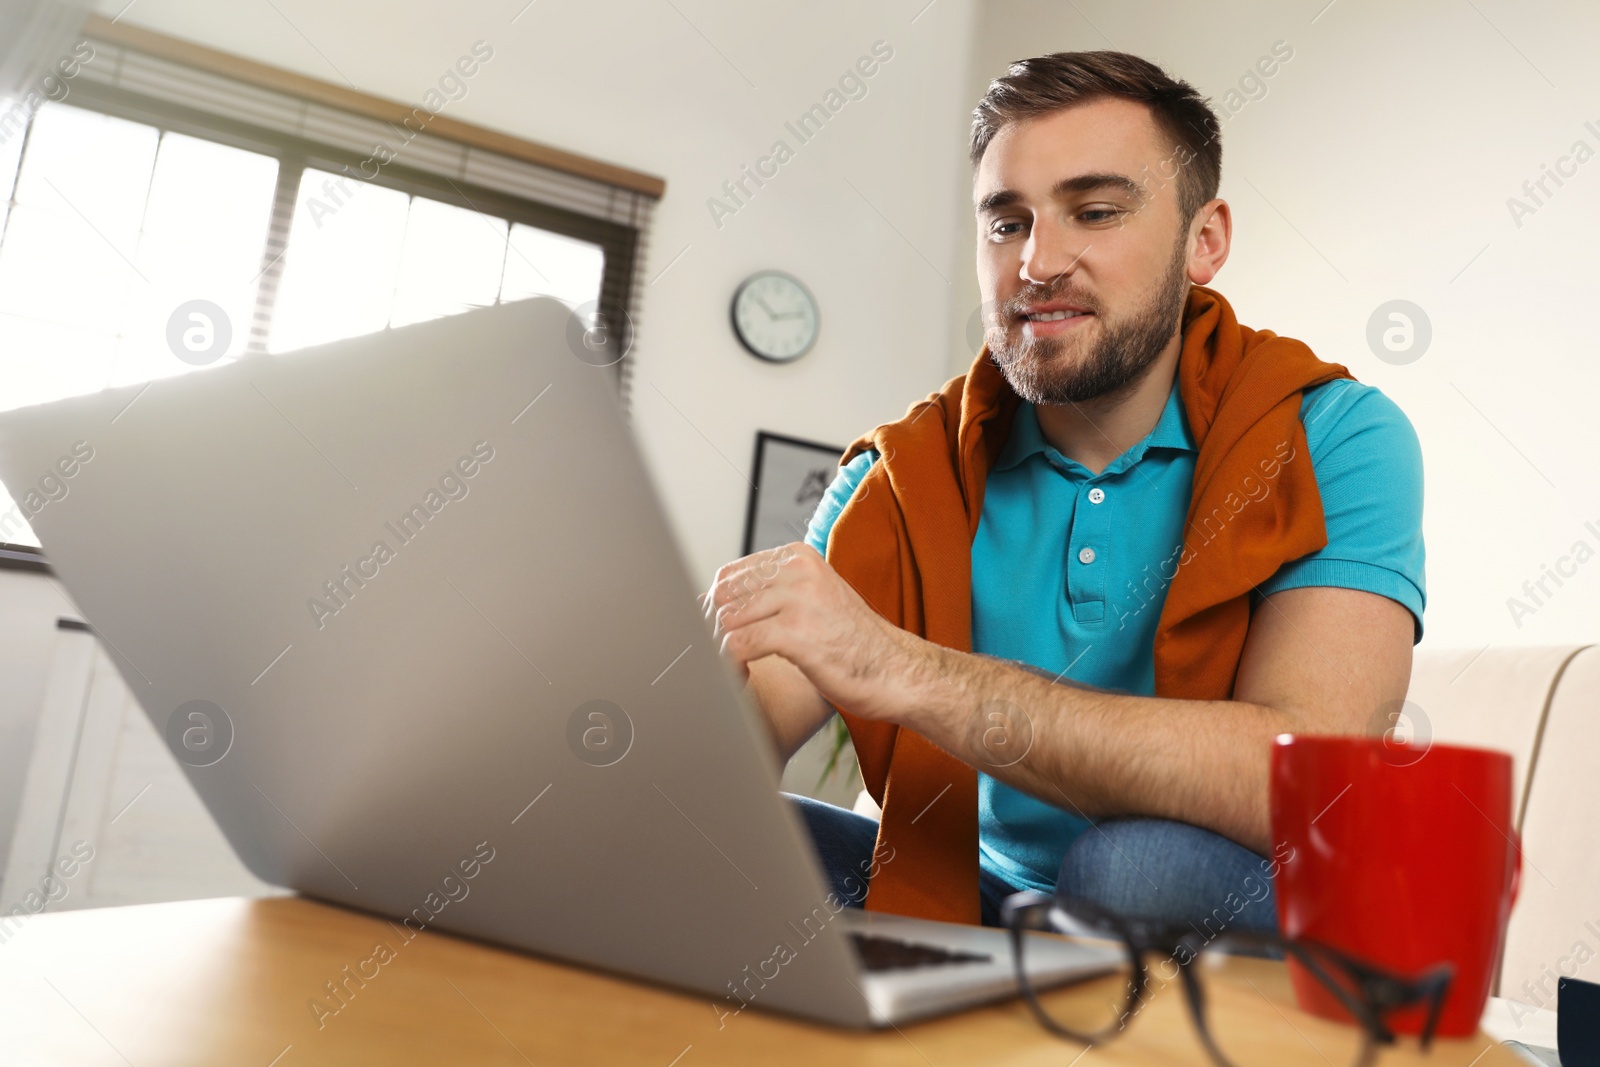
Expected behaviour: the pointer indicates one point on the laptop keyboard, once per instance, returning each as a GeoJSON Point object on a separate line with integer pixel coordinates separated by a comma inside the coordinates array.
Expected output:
{"type": "Point", "coordinates": [891, 954]}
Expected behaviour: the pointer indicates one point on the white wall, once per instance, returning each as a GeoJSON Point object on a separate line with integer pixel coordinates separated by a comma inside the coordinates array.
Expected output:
{"type": "Point", "coordinates": [690, 97]}
{"type": "Point", "coordinates": [1384, 152]}
{"type": "Point", "coordinates": [28, 636]}
{"type": "Point", "coordinates": [1377, 166]}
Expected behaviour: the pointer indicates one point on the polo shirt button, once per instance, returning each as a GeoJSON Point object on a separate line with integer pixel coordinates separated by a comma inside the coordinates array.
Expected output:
{"type": "Point", "coordinates": [1085, 554]}
{"type": "Point", "coordinates": [1096, 495]}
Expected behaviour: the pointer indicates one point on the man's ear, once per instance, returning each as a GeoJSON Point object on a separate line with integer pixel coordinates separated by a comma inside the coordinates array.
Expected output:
{"type": "Point", "coordinates": [1210, 236]}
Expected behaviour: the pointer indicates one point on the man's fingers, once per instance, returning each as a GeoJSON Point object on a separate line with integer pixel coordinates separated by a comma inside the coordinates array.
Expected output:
{"type": "Point", "coordinates": [739, 582]}
{"type": "Point", "coordinates": [752, 642]}
{"type": "Point", "coordinates": [763, 604]}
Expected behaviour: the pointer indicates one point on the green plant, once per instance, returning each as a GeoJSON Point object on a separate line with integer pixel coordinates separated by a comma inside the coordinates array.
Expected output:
{"type": "Point", "coordinates": [838, 742]}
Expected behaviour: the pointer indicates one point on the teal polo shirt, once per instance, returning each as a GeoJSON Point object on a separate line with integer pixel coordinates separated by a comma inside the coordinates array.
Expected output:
{"type": "Point", "coordinates": [1070, 569]}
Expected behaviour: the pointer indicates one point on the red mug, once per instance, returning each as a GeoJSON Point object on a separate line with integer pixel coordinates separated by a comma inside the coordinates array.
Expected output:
{"type": "Point", "coordinates": [1403, 855]}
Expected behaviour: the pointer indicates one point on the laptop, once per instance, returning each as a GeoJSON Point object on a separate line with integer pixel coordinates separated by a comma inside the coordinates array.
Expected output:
{"type": "Point", "coordinates": [407, 609]}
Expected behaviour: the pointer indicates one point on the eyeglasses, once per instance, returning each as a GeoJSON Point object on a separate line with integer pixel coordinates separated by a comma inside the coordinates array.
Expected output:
{"type": "Point", "coordinates": [1239, 1027]}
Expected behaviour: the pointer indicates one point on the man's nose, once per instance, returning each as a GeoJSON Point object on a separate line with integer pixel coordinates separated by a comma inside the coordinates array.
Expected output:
{"type": "Point", "coordinates": [1051, 251]}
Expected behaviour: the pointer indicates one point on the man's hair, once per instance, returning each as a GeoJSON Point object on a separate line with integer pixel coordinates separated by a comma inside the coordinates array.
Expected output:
{"type": "Point", "coordinates": [1034, 87]}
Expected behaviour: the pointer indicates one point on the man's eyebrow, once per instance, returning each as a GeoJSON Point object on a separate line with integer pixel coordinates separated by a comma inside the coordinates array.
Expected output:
{"type": "Point", "coordinates": [1081, 183]}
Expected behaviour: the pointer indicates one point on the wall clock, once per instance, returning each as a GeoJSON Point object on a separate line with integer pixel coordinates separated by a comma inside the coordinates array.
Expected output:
{"type": "Point", "coordinates": [775, 316]}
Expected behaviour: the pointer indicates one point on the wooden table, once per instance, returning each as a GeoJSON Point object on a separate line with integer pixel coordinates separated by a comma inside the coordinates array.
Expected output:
{"type": "Point", "coordinates": [230, 982]}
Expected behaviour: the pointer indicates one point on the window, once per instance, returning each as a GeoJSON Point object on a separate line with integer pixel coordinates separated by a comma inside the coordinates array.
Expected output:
{"type": "Point", "coordinates": [111, 225]}
{"type": "Point", "coordinates": [120, 207]}
{"type": "Point", "coordinates": [362, 257]}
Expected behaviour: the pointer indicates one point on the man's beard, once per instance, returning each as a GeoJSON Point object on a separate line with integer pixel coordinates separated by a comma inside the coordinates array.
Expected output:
{"type": "Point", "coordinates": [1042, 371]}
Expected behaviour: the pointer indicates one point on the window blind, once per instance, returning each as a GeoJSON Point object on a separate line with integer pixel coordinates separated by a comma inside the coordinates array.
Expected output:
{"type": "Point", "coordinates": [128, 75]}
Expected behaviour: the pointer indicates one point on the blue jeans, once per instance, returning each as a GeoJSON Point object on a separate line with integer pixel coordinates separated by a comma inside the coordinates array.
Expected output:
{"type": "Point", "coordinates": [1150, 868]}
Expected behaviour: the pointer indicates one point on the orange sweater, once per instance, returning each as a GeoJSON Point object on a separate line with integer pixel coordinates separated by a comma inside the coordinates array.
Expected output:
{"type": "Point", "coordinates": [904, 541]}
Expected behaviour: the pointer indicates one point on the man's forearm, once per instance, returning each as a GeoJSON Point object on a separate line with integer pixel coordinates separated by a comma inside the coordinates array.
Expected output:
{"type": "Point", "coordinates": [791, 706]}
{"type": "Point", "coordinates": [1317, 659]}
{"type": "Point", "coordinates": [1100, 754]}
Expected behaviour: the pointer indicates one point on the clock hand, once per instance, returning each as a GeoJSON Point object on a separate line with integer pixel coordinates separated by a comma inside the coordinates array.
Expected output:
{"type": "Point", "coordinates": [770, 313]}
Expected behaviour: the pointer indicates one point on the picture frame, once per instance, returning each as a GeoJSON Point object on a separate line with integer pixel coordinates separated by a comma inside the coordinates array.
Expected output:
{"type": "Point", "coordinates": [788, 478]}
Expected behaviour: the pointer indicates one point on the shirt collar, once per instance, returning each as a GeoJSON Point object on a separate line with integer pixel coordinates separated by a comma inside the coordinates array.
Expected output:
{"type": "Point", "coordinates": [1171, 431]}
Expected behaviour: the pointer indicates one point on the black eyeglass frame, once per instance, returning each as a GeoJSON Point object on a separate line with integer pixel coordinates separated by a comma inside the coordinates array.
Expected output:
{"type": "Point", "coordinates": [1379, 992]}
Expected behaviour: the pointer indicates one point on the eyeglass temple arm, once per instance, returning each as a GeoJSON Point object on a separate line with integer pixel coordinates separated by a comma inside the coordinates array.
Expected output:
{"type": "Point", "coordinates": [1386, 991]}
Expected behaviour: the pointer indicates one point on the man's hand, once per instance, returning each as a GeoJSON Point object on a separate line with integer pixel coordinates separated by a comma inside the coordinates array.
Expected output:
{"type": "Point", "coordinates": [789, 602]}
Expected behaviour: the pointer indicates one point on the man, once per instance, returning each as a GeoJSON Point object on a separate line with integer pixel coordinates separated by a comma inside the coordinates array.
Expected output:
{"type": "Point", "coordinates": [1066, 603]}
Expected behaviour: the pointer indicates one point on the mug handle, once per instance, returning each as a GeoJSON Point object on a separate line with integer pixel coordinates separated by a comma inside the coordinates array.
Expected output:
{"type": "Point", "coordinates": [1516, 867]}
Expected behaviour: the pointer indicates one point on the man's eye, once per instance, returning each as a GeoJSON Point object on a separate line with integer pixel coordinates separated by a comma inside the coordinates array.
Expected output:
{"type": "Point", "coordinates": [1099, 214]}
{"type": "Point", "coordinates": [1009, 228]}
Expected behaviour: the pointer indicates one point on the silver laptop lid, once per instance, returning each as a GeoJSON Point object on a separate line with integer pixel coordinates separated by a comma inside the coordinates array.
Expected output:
{"type": "Point", "coordinates": [408, 609]}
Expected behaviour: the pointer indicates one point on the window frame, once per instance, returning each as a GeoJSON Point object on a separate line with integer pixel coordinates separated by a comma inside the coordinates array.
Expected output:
{"type": "Point", "coordinates": [619, 242]}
